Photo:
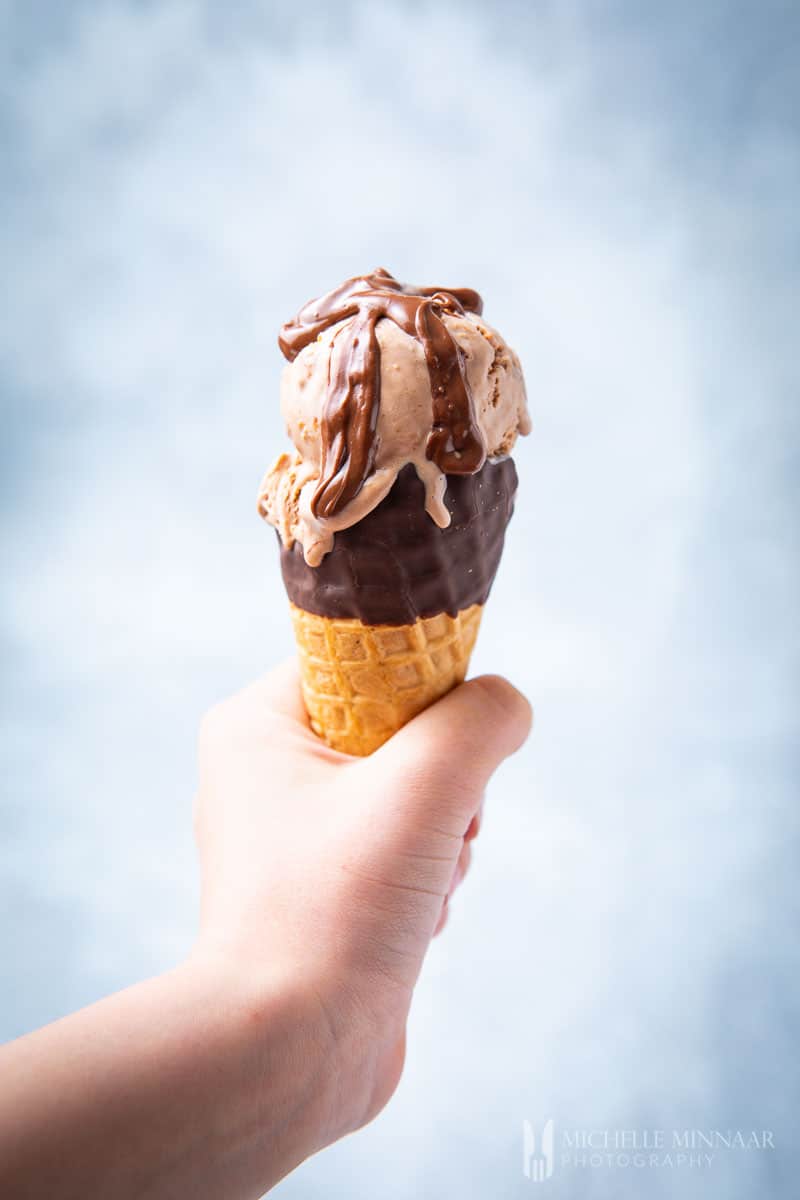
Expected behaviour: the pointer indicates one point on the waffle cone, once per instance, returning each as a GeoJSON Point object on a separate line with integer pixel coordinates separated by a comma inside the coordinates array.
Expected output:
{"type": "Point", "coordinates": [361, 682]}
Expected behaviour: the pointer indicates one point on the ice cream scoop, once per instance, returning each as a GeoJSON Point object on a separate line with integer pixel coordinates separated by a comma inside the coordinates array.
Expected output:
{"type": "Point", "coordinates": [381, 375]}
{"type": "Point", "coordinates": [402, 405]}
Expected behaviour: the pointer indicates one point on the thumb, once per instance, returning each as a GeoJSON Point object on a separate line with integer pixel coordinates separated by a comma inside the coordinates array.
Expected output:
{"type": "Point", "coordinates": [446, 755]}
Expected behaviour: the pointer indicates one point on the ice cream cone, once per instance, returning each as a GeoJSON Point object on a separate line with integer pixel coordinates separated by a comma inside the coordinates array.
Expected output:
{"type": "Point", "coordinates": [361, 683]}
{"type": "Point", "coordinates": [403, 406]}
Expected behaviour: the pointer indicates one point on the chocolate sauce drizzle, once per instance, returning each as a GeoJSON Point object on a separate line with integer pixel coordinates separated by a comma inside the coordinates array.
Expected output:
{"type": "Point", "coordinates": [350, 413]}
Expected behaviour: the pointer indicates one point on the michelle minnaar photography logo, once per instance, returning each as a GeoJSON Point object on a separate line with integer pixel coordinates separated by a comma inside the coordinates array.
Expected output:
{"type": "Point", "coordinates": [546, 1149]}
{"type": "Point", "coordinates": [537, 1159]}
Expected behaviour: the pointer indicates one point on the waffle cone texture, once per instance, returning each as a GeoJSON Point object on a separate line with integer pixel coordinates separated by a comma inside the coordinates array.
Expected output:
{"type": "Point", "coordinates": [386, 623]}
{"type": "Point", "coordinates": [361, 683]}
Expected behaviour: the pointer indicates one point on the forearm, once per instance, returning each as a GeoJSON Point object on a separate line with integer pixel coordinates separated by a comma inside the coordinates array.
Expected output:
{"type": "Point", "coordinates": [180, 1086]}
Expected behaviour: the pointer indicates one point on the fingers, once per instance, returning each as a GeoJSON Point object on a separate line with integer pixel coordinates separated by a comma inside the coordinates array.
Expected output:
{"type": "Point", "coordinates": [443, 915]}
{"type": "Point", "coordinates": [475, 824]}
{"type": "Point", "coordinates": [462, 866]}
{"type": "Point", "coordinates": [469, 731]}
{"type": "Point", "coordinates": [446, 755]}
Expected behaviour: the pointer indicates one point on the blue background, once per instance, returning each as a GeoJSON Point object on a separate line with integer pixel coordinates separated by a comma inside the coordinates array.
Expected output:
{"type": "Point", "coordinates": [621, 183]}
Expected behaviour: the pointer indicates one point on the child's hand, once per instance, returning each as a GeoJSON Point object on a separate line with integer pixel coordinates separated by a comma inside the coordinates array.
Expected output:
{"type": "Point", "coordinates": [328, 875]}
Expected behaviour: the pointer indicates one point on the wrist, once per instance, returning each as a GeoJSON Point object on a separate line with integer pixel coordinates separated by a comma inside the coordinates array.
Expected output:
{"type": "Point", "coordinates": [194, 1083]}
{"type": "Point", "coordinates": [271, 1050]}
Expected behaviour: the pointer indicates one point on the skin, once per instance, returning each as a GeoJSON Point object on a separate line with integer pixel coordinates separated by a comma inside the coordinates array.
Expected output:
{"type": "Point", "coordinates": [324, 879]}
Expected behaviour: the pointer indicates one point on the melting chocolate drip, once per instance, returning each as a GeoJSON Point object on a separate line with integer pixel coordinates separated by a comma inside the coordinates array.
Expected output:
{"type": "Point", "coordinates": [350, 413]}
{"type": "Point", "coordinates": [395, 565]}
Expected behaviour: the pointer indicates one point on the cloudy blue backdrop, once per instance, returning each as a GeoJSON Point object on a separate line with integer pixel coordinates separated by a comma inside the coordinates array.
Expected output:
{"type": "Point", "coordinates": [621, 181]}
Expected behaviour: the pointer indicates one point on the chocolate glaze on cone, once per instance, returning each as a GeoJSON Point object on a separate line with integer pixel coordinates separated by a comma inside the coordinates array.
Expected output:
{"type": "Point", "coordinates": [396, 565]}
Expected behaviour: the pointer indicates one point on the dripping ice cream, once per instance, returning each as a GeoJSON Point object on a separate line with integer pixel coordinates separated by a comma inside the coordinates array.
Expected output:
{"type": "Point", "coordinates": [402, 405]}
{"type": "Point", "coordinates": [355, 422]}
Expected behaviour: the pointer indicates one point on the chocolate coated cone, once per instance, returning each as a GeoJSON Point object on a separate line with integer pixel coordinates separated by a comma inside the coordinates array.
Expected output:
{"type": "Point", "coordinates": [396, 565]}
{"type": "Point", "coordinates": [386, 624]}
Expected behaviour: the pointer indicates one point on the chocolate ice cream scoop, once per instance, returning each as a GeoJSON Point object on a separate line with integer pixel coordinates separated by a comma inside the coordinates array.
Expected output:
{"type": "Point", "coordinates": [381, 375]}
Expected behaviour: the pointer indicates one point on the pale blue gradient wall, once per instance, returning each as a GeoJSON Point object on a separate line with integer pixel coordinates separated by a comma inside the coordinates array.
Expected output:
{"type": "Point", "coordinates": [621, 183]}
